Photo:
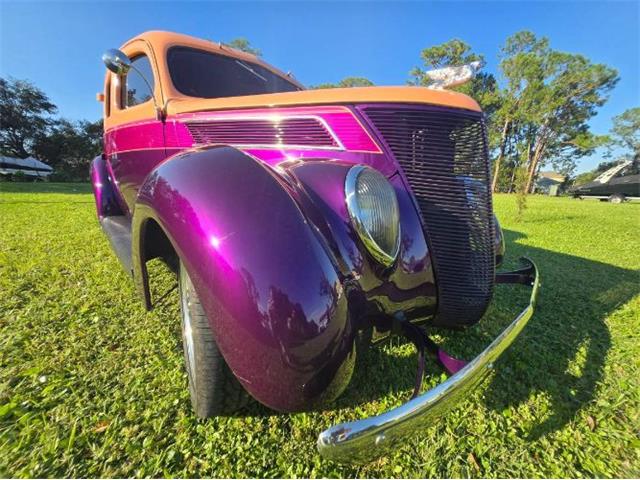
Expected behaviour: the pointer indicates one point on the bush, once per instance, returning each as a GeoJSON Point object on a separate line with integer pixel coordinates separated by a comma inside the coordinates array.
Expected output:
{"type": "Point", "coordinates": [21, 177]}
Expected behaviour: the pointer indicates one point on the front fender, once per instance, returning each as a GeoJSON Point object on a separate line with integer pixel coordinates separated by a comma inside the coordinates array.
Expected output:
{"type": "Point", "coordinates": [407, 288]}
{"type": "Point", "coordinates": [270, 288]}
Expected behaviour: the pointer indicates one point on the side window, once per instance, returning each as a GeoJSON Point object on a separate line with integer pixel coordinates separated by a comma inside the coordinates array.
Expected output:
{"type": "Point", "coordinates": [134, 89]}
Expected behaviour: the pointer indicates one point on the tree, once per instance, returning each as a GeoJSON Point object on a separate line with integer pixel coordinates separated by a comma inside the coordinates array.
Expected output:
{"type": "Point", "coordinates": [244, 45]}
{"type": "Point", "coordinates": [521, 67]}
{"type": "Point", "coordinates": [548, 99]}
{"type": "Point", "coordinates": [69, 147]}
{"type": "Point", "coordinates": [347, 82]}
{"type": "Point", "coordinates": [626, 131]}
{"type": "Point", "coordinates": [584, 178]}
{"type": "Point", "coordinates": [24, 116]}
{"type": "Point", "coordinates": [27, 128]}
{"type": "Point", "coordinates": [573, 91]}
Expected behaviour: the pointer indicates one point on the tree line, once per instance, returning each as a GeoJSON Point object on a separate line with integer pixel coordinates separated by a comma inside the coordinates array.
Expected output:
{"type": "Point", "coordinates": [29, 127]}
{"type": "Point", "coordinates": [537, 112]}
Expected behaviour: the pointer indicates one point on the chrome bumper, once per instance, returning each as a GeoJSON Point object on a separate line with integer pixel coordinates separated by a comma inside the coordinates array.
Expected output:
{"type": "Point", "coordinates": [367, 439]}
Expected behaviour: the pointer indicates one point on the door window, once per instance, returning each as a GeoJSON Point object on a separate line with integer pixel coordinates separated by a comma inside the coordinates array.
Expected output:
{"type": "Point", "coordinates": [135, 89]}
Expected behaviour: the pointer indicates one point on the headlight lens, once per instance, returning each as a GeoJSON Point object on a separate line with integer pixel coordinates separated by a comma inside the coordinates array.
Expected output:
{"type": "Point", "coordinates": [373, 208]}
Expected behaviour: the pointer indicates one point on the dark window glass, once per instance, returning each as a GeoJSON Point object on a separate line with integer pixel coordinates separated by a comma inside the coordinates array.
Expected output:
{"type": "Point", "coordinates": [136, 89]}
{"type": "Point", "coordinates": [633, 169]}
{"type": "Point", "coordinates": [197, 73]}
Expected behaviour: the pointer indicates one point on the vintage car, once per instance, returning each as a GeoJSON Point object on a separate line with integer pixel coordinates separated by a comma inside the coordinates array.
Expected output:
{"type": "Point", "coordinates": [618, 184]}
{"type": "Point", "coordinates": [299, 224]}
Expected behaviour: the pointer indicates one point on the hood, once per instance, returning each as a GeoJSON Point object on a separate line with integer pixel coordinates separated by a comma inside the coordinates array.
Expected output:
{"type": "Point", "coordinates": [328, 96]}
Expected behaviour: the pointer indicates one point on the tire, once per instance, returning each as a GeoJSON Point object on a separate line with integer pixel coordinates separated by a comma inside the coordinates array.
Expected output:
{"type": "Point", "coordinates": [213, 387]}
{"type": "Point", "coordinates": [616, 198]}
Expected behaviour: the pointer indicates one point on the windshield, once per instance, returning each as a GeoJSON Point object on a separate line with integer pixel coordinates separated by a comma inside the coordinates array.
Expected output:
{"type": "Point", "coordinates": [198, 73]}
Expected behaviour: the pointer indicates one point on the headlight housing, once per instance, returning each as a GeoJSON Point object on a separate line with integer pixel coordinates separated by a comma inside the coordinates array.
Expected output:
{"type": "Point", "coordinates": [373, 208]}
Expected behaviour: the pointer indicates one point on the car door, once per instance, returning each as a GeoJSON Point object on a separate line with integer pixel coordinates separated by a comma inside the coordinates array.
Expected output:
{"type": "Point", "coordinates": [134, 130]}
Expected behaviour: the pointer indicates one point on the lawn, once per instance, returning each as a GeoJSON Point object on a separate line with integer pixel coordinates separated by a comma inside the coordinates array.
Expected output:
{"type": "Point", "coordinates": [92, 385]}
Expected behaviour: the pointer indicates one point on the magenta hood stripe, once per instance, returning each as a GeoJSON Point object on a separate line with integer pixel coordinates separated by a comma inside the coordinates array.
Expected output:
{"type": "Point", "coordinates": [339, 121]}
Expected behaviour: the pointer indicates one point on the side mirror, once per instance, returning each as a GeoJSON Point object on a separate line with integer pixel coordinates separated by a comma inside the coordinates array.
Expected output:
{"type": "Point", "coordinates": [116, 61]}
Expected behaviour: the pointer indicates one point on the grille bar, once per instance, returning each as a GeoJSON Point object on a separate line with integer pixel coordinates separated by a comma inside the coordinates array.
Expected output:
{"type": "Point", "coordinates": [251, 131]}
{"type": "Point", "coordinates": [443, 155]}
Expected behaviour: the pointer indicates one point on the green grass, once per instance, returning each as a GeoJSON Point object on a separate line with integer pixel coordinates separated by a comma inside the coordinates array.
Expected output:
{"type": "Point", "coordinates": [92, 385]}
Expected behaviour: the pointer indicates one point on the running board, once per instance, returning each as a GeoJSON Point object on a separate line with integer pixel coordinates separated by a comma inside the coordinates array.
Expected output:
{"type": "Point", "coordinates": [118, 231]}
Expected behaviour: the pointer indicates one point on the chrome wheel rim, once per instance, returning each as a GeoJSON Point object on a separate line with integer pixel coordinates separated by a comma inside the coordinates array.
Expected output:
{"type": "Point", "coordinates": [187, 327]}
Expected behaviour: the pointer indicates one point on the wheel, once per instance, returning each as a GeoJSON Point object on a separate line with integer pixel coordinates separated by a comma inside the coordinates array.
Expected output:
{"type": "Point", "coordinates": [616, 198]}
{"type": "Point", "coordinates": [213, 387]}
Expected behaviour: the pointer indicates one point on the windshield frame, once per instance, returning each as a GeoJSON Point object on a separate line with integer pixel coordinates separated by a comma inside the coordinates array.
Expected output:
{"type": "Point", "coordinates": [250, 66]}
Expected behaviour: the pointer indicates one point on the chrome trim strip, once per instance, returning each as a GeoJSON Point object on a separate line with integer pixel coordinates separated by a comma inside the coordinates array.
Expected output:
{"type": "Point", "coordinates": [364, 440]}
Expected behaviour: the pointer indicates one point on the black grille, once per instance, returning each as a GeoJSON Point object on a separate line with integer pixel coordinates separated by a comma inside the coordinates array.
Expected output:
{"type": "Point", "coordinates": [443, 154]}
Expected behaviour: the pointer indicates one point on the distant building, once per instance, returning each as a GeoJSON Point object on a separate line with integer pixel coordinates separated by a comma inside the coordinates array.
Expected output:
{"type": "Point", "coordinates": [549, 182]}
{"type": "Point", "coordinates": [28, 166]}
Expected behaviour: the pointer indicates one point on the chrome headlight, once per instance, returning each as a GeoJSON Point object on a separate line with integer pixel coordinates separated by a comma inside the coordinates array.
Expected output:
{"type": "Point", "coordinates": [374, 212]}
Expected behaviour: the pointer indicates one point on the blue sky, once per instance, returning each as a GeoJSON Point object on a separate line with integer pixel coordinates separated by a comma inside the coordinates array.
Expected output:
{"type": "Point", "coordinates": [57, 45]}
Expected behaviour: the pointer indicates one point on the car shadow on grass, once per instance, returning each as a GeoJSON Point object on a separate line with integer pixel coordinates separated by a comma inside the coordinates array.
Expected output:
{"type": "Point", "coordinates": [562, 351]}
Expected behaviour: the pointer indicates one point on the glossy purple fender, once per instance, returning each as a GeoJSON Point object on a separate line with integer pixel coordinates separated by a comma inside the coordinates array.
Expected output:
{"type": "Point", "coordinates": [106, 199]}
{"type": "Point", "coordinates": [278, 268]}
{"type": "Point", "coordinates": [269, 287]}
